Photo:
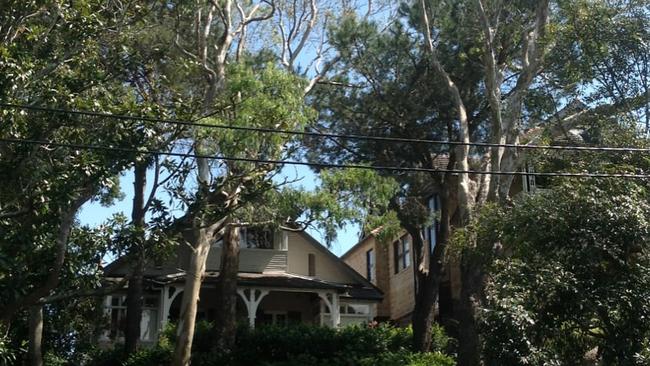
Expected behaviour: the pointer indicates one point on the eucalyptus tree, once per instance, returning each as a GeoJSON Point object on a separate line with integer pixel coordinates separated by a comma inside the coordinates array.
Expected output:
{"type": "Point", "coordinates": [216, 64]}
{"type": "Point", "coordinates": [388, 92]}
{"type": "Point", "coordinates": [495, 72]}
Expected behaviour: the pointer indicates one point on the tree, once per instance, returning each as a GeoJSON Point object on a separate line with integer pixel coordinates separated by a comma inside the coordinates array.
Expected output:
{"type": "Point", "coordinates": [54, 53]}
{"type": "Point", "coordinates": [495, 74]}
{"type": "Point", "coordinates": [387, 91]}
{"type": "Point", "coordinates": [576, 280]}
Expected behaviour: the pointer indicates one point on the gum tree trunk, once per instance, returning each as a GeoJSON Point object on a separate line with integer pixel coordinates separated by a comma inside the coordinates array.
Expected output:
{"type": "Point", "coordinates": [189, 305]}
{"type": "Point", "coordinates": [35, 335]}
{"type": "Point", "coordinates": [226, 324]}
{"type": "Point", "coordinates": [135, 289]}
{"type": "Point", "coordinates": [428, 276]}
{"type": "Point", "coordinates": [472, 284]}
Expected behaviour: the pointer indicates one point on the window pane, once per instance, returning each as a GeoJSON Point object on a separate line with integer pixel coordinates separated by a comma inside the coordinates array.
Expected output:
{"type": "Point", "coordinates": [370, 265]}
{"type": "Point", "coordinates": [361, 309]}
{"type": "Point", "coordinates": [407, 253]}
{"type": "Point", "coordinates": [259, 238]}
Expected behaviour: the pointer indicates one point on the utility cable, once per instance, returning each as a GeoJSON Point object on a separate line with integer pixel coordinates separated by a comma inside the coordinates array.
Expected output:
{"type": "Point", "coordinates": [195, 123]}
{"type": "Point", "coordinates": [317, 165]}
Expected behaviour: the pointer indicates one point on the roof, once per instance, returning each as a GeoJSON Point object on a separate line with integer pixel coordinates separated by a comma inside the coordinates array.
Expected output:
{"type": "Point", "coordinates": [358, 244]}
{"type": "Point", "coordinates": [285, 280]}
{"type": "Point", "coordinates": [345, 266]}
{"type": "Point", "coordinates": [169, 272]}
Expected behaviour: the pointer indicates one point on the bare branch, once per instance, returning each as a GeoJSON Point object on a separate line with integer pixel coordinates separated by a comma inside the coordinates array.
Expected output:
{"type": "Point", "coordinates": [305, 35]}
{"type": "Point", "coordinates": [321, 74]}
{"type": "Point", "coordinates": [464, 204]}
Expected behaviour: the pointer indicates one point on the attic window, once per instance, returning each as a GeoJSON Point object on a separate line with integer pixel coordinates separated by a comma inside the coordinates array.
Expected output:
{"type": "Point", "coordinates": [370, 265]}
{"type": "Point", "coordinates": [256, 238]}
{"type": "Point", "coordinates": [312, 264]}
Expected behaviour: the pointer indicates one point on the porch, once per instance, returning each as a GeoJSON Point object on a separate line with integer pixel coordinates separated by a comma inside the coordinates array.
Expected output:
{"type": "Point", "coordinates": [261, 301]}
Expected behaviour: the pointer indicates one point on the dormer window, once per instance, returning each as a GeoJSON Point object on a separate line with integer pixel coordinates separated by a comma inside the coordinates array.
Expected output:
{"type": "Point", "coordinates": [256, 238]}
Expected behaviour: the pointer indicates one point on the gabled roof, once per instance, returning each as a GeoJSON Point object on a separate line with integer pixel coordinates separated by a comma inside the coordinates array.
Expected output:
{"type": "Point", "coordinates": [169, 272]}
{"type": "Point", "coordinates": [349, 270]}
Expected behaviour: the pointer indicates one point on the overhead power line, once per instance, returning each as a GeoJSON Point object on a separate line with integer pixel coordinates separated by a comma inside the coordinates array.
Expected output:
{"type": "Point", "coordinates": [313, 164]}
{"type": "Point", "coordinates": [195, 123]}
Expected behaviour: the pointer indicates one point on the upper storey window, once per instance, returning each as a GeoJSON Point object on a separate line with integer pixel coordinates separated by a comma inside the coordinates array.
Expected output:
{"type": "Point", "coordinates": [402, 253]}
{"type": "Point", "coordinates": [253, 238]}
{"type": "Point", "coordinates": [256, 238]}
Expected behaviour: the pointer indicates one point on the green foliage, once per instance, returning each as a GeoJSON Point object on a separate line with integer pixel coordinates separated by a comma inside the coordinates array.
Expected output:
{"type": "Point", "coordinates": [256, 96]}
{"type": "Point", "coordinates": [8, 353]}
{"type": "Point", "coordinates": [294, 345]}
{"type": "Point", "coordinates": [578, 278]}
{"type": "Point", "coordinates": [345, 346]}
{"type": "Point", "coordinates": [405, 358]}
{"type": "Point", "coordinates": [154, 356]}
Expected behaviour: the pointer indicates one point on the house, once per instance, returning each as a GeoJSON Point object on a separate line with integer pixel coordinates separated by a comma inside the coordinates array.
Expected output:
{"type": "Point", "coordinates": [389, 266]}
{"type": "Point", "coordinates": [284, 277]}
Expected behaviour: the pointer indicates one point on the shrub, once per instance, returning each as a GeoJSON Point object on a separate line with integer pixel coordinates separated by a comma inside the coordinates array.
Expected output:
{"type": "Point", "coordinates": [155, 356]}
{"type": "Point", "coordinates": [295, 345]}
{"type": "Point", "coordinates": [406, 358]}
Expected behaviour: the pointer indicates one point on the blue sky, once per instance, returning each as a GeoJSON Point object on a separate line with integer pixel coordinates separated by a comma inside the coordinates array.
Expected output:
{"type": "Point", "coordinates": [94, 214]}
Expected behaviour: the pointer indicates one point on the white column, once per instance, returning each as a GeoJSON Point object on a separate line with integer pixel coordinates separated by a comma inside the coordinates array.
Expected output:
{"type": "Point", "coordinates": [252, 298]}
{"type": "Point", "coordinates": [373, 312]}
{"type": "Point", "coordinates": [322, 311]}
{"type": "Point", "coordinates": [166, 300]}
{"type": "Point", "coordinates": [331, 300]}
{"type": "Point", "coordinates": [336, 312]}
{"type": "Point", "coordinates": [163, 309]}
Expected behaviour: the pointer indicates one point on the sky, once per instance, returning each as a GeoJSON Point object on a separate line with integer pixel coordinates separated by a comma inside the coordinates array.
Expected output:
{"type": "Point", "coordinates": [93, 213]}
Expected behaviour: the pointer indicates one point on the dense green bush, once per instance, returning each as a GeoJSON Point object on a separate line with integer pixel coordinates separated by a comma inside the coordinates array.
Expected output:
{"type": "Point", "coordinates": [576, 281]}
{"type": "Point", "coordinates": [406, 358]}
{"type": "Point", "coordinates": [296, 345]}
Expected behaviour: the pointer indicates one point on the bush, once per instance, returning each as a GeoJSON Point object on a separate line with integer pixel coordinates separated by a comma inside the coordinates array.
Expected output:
{"type": "Point", "coordinates": [405, 358]}
{"type": "Point", "coordinates": [296, 345]}
{"type": "Point", "coordinates": [155, 356]}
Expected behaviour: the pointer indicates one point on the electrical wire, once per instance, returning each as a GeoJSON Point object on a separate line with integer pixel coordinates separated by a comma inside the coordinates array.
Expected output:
{"type": "Point", "coordinates": [195, 123]}
{"type": "Point", "coordinates": [317, 165]}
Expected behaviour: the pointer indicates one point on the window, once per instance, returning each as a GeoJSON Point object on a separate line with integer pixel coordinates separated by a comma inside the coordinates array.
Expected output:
{"type": "Point", "coordinates": [402, 253]}
{"type": "Point", "coordinates": [312, 264]}
{"type": "Point", "coordinates": [256, 238]}
{"type": "Point", "coordinates": [370, 265]}
{"type": "Point", "coordinates": [117, 311]}
{"type": "Point", "coordinates": [274, 317]}
{"type": "Point", "coordinates": [148, 321]}
{"type": "Point", "coordinates": [431, 231]}
{"type": "Point", "coordinates": [354, 309]}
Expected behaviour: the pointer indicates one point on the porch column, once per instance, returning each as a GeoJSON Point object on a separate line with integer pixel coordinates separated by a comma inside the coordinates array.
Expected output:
{"type": "Point", "coordinates": [252, 298]}
{"type": "Point", "coordinates": [331, 300]}
{"type": "Point", "coordinates": [168, 294]}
